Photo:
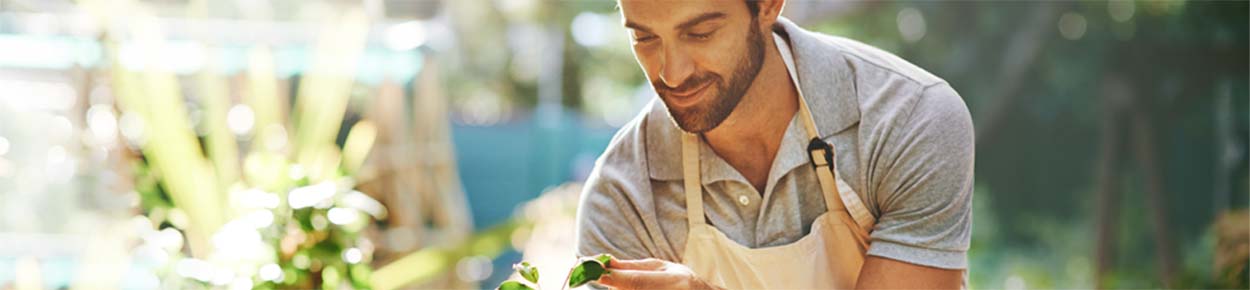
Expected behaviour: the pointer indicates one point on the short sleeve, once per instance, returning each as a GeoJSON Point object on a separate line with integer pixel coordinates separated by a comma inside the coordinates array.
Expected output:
{"type": "Point", "coordinates": [925, 196]}
{"type": "Point", "coordinates": [606, 220]}
{"type": "Point", "coordinates": [616, 200]}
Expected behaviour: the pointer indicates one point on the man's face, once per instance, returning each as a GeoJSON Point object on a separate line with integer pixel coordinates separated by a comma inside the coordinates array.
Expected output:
{"type": "Point", "coordinates": [700, 55]}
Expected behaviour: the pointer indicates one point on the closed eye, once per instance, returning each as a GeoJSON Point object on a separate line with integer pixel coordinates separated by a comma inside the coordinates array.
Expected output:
{"type": "Point", "coordinates": [699, 36]}
{"type": "Point", "coordinates": [642, 39]}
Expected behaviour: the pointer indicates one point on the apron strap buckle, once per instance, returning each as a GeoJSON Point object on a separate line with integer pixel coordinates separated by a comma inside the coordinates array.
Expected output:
{"type": "Point", "coordinates": [820, 152]}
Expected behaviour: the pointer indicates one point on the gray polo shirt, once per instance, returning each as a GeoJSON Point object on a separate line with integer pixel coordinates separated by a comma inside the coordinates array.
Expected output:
{"type": "Point", "coordinates": [903, 140]}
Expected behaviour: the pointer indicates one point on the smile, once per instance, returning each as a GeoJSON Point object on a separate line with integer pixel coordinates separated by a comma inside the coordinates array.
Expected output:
{"type": "Point", "coordinates": [689, 97]}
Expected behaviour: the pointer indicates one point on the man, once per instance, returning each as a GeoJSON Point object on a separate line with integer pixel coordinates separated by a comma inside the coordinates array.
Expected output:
{"type": "Point", "coordinates": [778, 158]}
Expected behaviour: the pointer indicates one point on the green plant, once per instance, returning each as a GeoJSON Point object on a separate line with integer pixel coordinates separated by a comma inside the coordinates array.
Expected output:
{"type": "Point", "coordinates": [588, 269]}
{"type": "Point", "coordinates": [281, 213]}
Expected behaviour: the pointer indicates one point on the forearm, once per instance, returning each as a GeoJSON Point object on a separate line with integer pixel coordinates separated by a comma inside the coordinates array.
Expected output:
{"type": "Point", "coordinates": [883, 273]}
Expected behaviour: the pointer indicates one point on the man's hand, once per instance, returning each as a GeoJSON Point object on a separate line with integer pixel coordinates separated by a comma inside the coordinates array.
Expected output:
{"type": "Point", "coordinates": [650, 274]}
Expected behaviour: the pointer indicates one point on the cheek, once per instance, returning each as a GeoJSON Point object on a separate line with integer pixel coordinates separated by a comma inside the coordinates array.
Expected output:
{"type": "Point", "coordinates": [722, 55]}
{"type": "Point", "coordinates": [719, 56]}
{"type": "Point", "coordinates": [649, 60]}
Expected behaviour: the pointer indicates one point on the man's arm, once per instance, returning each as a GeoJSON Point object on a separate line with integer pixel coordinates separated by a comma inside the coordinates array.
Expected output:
{"type": "Point", "coordinates": [883, 273]}
{"type": "Point", "coordinates": [607, 221]}
{"type": "Point", "coordinates": [610, 212]}
{"type": "Point", "coordinates": [924, 229]}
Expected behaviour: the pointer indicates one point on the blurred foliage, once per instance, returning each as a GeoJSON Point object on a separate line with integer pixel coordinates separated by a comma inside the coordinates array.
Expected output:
{"type": "Point", "coordinates": [1040, 92]}
{"type": "Point", "coordinates": [281, 215]}
{"type": "Point", "coordinates": [428, 263]}
{"type": "Point", "coordinates": [542, 48]}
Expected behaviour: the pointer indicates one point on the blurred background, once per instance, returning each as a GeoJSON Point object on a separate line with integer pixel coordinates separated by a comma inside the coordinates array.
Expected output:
{"type": "Point", "coordinates": [193, 144]}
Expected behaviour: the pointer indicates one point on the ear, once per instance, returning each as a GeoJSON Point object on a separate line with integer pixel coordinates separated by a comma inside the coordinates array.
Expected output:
{"type": "Point", "coordinates": [769, 11]}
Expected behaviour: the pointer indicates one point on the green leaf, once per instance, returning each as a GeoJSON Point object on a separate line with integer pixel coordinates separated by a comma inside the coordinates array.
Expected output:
{"type": "Point", "coordinates": [604, 259]}
{"type": "Point", "coordinates": [513, 285]}
{"type": "Point", "coordinates": [527, 271]}
{"type": "Point", "coordinates": [589, 270]}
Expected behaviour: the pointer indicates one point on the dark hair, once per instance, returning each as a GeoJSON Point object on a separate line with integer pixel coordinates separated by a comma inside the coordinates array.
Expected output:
{"type": "Point", "coordinates": [754, 7]}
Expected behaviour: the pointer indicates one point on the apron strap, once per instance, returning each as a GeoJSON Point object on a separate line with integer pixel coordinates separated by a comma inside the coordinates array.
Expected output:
{"type": "Point", "coordinates": [838, 194]}
{"type": "Point", "coordinates": [822, 154]}
{"type": "Point", "coordinates": [692, 179]}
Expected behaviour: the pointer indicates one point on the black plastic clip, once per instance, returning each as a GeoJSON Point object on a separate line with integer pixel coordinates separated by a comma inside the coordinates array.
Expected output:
{"type": "Point", "coordinates": [821, 145]}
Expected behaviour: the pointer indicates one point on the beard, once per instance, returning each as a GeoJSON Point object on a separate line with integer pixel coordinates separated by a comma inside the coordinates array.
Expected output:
{"type": "Point", "coordinates": [707, 115]}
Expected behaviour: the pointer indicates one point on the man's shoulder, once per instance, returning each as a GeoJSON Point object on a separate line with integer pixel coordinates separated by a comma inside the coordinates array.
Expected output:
{"type": "Point", "coordinates": [887, 87]}
{"type": "Point", "coordinates": [628, 148]}
{"type": "Point", "coordinates": [864, 84]}
{"type": "Point", "coordinates": [616, 198]}
{"type": "Point", "coordinates": [870, 61]}
{"type": "Point", "coordinates": [607, 209]}
{"type": "Point", "coordinates": [646, 148]}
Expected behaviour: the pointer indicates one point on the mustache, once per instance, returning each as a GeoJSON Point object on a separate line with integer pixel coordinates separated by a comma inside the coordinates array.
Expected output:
{"type": "Point", "coordinates": [693, 82]}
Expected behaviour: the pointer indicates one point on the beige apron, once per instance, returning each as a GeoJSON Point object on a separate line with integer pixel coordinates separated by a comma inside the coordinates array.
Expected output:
{"type": "Point", "coordinates": [827, 258]}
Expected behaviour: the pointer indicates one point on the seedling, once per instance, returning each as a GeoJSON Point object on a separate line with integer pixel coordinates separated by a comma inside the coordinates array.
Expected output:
{"type": "Point", "coordinates": [527, 271]}
{"type": "Point", "coordinates": [588, 269]}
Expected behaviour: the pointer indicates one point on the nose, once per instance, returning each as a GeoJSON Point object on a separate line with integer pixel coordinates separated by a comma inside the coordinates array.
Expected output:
{"type": "Point", "coordinates": [675, 66]}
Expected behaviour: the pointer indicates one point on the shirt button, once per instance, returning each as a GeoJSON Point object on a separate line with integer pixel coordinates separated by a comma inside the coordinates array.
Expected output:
{"type": "Point", "coordinates": [744, 200]}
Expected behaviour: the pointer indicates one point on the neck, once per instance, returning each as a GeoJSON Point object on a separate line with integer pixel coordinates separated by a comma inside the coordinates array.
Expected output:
{"type": "Point", "coordinates": [749, 137]}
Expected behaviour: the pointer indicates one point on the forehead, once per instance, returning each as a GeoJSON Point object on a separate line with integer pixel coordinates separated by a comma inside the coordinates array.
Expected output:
{"type": "Point", "coordinates": [665, 14]}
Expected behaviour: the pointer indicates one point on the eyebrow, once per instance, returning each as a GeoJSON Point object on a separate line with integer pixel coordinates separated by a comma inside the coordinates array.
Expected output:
{"type": "Point", "coordinates": [684, 25]}
{"type": "Point", "coordinates": [700, 19]}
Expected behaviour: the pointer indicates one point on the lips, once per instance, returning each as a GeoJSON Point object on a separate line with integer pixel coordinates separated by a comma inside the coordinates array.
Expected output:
{"type": "Point", "coordinates": [688, 97]}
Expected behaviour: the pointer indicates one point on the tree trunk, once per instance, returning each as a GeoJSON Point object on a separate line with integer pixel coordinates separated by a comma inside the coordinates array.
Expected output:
{"type": "Point", "coordinates": [1108, 201]}
{"type": "Point", "coordinates": [1152, 173]}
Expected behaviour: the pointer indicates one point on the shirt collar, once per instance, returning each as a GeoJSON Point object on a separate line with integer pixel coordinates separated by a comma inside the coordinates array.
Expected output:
{"type": "Point", "coordinates": [825, 77]}
{"type": "Point", "coordinates": [828, 88]}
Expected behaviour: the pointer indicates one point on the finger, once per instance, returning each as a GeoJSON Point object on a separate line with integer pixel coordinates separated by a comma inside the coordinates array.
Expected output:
{"type": "Point", "coordinates": [634, 279]}
{"type": "Point", "coordinates": [643, 264]}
